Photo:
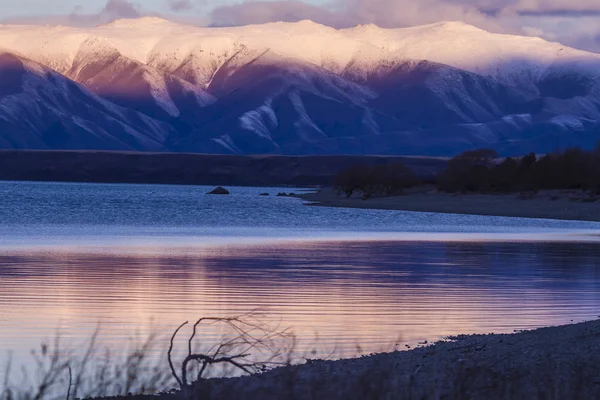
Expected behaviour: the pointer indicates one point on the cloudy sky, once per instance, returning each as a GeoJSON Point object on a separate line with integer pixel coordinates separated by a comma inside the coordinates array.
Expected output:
{"type": "Point", "coordinates": [572, 22]}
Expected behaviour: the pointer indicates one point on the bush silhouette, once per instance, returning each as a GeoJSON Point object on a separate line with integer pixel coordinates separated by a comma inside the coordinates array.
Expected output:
{"type": "Point", "coordinates": [369, 180]}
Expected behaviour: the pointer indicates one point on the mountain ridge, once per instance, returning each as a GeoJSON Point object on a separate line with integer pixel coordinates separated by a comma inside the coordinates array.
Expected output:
{"type": "Point", "coordinates": [307, 88]}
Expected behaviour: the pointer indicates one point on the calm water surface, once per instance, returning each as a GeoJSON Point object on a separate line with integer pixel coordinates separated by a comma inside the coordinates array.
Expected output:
{"type": "Point", "coordinates": [139, 257]}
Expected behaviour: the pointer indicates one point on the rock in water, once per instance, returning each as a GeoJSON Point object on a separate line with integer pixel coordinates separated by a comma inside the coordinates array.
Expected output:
{"type": "Point", "coordinates": [219, 190]}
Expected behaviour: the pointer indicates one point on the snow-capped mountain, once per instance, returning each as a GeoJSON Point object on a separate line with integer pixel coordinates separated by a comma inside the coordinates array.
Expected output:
{"type": "Point", "coordinates": [41, 109]}
{"type": "Point", "coordinates": [300, 88]}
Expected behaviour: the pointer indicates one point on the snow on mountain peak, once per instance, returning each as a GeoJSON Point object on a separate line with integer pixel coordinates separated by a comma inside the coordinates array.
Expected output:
{"type": "Point", "coordinates": [365, 30]}
{"type": "Point", "coordinates": [453, 26]}
{"type": "Point", "coordinates": [308, 22]}
{"type": "Point", "coordinates": [137, 22]}
{"type": "Point", "coordinates": [170, 45]}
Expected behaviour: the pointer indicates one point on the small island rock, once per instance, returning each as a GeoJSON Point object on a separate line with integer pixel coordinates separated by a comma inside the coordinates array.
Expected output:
{"type": "Point", "coordinates": [219, 190]}
{"type": "Point", "coordinates": [264, 194]}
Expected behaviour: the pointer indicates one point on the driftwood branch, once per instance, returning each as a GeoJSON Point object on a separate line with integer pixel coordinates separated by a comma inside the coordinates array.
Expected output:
{"type": "Point", "coordinates": [170, 352]}
{"type": "Point", "coordinates": [70, 383]}
{"type": "Point", "coordinates": [247, 334]}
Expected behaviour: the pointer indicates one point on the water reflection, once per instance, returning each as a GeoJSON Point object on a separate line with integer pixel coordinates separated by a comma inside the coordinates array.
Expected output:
{"type": "Point", "coordinates": [370, 293]}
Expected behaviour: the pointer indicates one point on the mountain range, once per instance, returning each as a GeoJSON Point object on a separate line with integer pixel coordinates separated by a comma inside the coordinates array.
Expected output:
{"type": "Point", "coordinates": [293, 88]}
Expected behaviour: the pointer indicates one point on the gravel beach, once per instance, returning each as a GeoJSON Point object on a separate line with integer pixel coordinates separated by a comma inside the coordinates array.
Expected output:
{"type": "Point", "coordinates": [548, 363]}
{"type": "Point", "coordinates": [562, 205]}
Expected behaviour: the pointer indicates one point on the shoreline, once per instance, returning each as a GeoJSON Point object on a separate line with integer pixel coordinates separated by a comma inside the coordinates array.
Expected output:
{"type": "Point", "coordinates": [557, 205]}
{"type": "Point", "coordinates": [552, 362]}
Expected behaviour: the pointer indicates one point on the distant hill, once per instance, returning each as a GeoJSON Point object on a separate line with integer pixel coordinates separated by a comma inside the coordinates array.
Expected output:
{"type": "Point", "coordinates": [293, 88]}
{"type": "Point", "coordinates": [192, 169]}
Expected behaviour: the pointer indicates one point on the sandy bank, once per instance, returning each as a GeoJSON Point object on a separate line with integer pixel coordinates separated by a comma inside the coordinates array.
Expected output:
{"type": "Point", "coordinates": [548, 363]}
{"type": "Point", "coordinates": [561, 205]}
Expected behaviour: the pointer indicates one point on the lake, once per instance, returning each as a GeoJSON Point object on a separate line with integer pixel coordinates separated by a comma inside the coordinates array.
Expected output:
{"type": "Point", "coordinates": [137, 258]}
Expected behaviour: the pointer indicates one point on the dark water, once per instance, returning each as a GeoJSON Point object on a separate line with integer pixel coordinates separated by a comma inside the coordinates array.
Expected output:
{"type": "Point", "coordinates": [135, 258]}
{"type": "Point", "coordinates": [34, 215]}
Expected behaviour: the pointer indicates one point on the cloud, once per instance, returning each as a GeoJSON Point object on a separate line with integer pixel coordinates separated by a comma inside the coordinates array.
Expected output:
{"type": "Point", "coordinates": [345, 13]}
{"type": "Point", "coordinates": [556, 7]}
{"type": "Point", "coordinates": [122, 9]}
{"type": "Point", "coordinates": [534, 7]}
{"type": "Point", "coordinates": [587, 42]}
{"type": "Point", "coordinates": [401, 13]}
{"type": "Point", "coordinates": [489, 14]}
{"type": "Point", "coordinates": [180, 5]}
{"type": "Point", "coordinates": [579, 32]}
{"type": "Point", "coordinates": [114, 9]}
{"type": "Point", "coordinates": [259, 12]}
{"type": "Point", "coordinates": [527, 17]}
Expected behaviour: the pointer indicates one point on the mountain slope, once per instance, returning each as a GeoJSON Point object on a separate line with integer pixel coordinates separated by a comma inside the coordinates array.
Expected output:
{"type": "Point", "coordinates": [267, 103]}
{"type": "Point", "coordinates": [41, 109]}
{"type": "Point", "coordinates": [102, 68]}
{"type": "Point", "coordinates": [304, 88]}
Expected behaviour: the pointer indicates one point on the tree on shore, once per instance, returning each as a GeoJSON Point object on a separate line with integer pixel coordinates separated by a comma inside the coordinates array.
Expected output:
{"type": "Point", "coordinates": [479, 171]}
{"type": "Point", "coordinates": [468, 171]}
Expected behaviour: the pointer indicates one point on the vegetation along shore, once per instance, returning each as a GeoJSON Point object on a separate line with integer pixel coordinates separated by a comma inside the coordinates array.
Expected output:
{"type": "Point", "coordinates": [562, 185]}
{"type": "Point", "coordinates": [561, 362]}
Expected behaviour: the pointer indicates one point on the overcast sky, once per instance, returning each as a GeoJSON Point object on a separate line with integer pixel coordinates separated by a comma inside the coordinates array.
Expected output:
{"type": "Point", "coordinates": [572, 22]}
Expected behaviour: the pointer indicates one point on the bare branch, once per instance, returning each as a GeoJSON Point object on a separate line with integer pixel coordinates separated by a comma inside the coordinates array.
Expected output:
{"type": "Point", "coordinates": [171, 351]}
{"type": "Point", "coordinates": [70, 383]}
{"type": "Point", "coordinates": [247, 333]}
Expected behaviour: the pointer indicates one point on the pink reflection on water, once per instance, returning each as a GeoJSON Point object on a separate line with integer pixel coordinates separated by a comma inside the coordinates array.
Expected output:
{"type": "Point", "coordinates": [375, 294]}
